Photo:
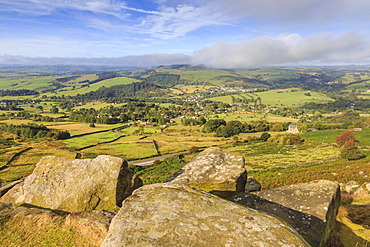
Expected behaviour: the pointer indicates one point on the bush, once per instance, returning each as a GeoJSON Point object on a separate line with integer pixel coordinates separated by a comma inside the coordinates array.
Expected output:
{"type": "Point", "coordinates": [351, 153]}
{"type": "Point", "coordinates": [265, 136]}
{"type": "Point", "coordinates": [346, 139]}
{"type": "Point", "coordinates": [290, 139]}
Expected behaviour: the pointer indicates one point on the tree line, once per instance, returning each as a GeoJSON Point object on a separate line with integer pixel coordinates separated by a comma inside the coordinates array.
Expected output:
{"type": "Point", "coordinates": [34, 131]}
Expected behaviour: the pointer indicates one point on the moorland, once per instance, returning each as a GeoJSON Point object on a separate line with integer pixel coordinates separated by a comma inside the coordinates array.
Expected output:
{"type": "Point", "coordinates": [83, 112]}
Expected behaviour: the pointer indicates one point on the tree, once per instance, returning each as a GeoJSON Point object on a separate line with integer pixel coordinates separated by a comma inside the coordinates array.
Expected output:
{"type": "Point", "coordinates": [346, 138]}
{"type": "Point", "coordinates": [265, 136]}
{"type": "Point", "coordinates": [54, 110]}
{"type": "Point", "coordinates": [277, 127]}
{"type": "Point", "coordinates": [351, 153]}
{"type": "Point", "coordinates": [212, 125]}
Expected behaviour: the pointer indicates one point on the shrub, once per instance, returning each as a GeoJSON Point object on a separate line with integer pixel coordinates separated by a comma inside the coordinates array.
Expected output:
{"type": "Point", "coordinates": [265, 136]}
{"type": "Point", "coordinates": [193, 149]}
{"type": "Point", "coordinates": [351, 153]}
{"type": "Point", "coordinates": [346, 139]}
{"type": "Point", "coordinates": [290, 139]}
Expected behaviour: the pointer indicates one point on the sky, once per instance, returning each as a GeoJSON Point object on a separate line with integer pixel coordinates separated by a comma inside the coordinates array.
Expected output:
{"type": "Point", "coordinates": [215, 33]}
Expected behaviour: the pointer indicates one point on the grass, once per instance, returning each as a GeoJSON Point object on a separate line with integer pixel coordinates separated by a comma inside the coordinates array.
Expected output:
{"type": "Point", "coordinates": [42, 229]}
{"type": "Point", "coordinates": [82, 128]}
{"type": "Point", "coordinates": [249, 116]}
{"type": "Point", "coordinates": [291, 97]}
{"type": "Point", "coordinates": [341, 171]}
{"type": "Point", "coordinates": [128, 151]}
{"type": "Point", "coordinates": [329, 136]}
{"type": "Point", "coordinates": [37, 84]}
{"type": "Point", "coordinates": [83, 141]}
{"type": "Point", "coordinates": [93, 87]}
{"type": "Point", "coordinates": [158, 172]}
{"type": "Point", "coordinates": [44, 83]}
{"type": "Point", "coordinates": [267, 155]}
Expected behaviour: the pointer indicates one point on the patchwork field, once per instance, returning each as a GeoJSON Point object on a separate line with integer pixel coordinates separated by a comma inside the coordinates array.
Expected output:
{"type": "Point", "coordinates": [292, 97]}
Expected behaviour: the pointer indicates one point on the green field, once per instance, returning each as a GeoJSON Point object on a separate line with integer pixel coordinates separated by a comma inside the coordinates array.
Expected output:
{"type": "Point", "coordinates": [290, 97]}
{"type": "Point", "coordinates": [251, 116]}
{"type": "Point", "coordinates": [93, 87]}
{"type": "Point", "coordinates": [37, 84]}
{"type": "Point", "coordinates": [128, 150]}
{"type": "Point", "coordinates": [44, 83]}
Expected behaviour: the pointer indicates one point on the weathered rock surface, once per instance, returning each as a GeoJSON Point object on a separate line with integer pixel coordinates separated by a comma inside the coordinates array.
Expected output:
{"type": "Point", "coordinates": [76, 185]}
{"type": "Point", "coordinates": [215, 171]}
{"type": "Point", "coordinates": [171, 214]}
{"type": "Point", "coordinates": [310, 208]}
{"type": "Point", "coordinates": [252, 185]}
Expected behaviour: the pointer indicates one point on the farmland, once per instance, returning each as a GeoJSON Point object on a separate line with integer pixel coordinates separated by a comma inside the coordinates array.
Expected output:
{"type": "Point", "coordinates": [181, 110]}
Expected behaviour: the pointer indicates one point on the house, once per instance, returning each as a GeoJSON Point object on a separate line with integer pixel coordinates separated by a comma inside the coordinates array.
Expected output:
{"type": "Point", "coordinates": [293, 129]}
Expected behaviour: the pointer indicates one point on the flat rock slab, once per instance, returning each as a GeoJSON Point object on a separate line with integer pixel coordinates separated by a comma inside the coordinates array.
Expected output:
{"type": "Point", "coordinates": [171, 214]}
{"type": "Point", "coordinates": [310, 208]}
{"type": "Point", "coordinates": [76, 185]}
{"type": "Point", "coordinates": [215, 171]}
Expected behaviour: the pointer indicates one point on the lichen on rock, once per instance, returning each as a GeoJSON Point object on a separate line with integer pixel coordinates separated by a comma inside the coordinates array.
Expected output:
{"type": "Point", "coordinates": [215, 171]}
{"type": "Point", "coordinates": [76, 185]}
{"type": "Point", "coordinates": [172, 214]}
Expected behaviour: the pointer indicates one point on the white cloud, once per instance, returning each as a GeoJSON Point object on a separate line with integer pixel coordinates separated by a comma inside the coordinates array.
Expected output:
{"type": "Point", "coordinates": [348, 47]}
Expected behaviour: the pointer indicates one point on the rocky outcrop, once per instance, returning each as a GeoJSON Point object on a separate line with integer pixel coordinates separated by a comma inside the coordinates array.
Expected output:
{"type": "Point", "coordinates": [173, 214]}
{"type": "Point", "coordinates": [310, 208]}
{"type": "Point", "coordinates": [76, 185]}
{"type": "Point", "coordinates": [215, 171]}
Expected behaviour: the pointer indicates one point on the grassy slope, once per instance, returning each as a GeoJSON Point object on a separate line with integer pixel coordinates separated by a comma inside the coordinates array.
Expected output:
{"type": "Point", "coordinates": [290, 97]}
{"type": "Point", "coordinates": [43, 83]}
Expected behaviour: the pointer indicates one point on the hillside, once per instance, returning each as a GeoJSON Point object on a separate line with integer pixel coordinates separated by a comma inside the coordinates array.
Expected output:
{"type": "Point", "coordinates": [180, 110]}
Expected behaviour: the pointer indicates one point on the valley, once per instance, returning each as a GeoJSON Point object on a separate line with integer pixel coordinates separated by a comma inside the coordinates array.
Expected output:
{"type": "Point", "coordinates": [141, 114]}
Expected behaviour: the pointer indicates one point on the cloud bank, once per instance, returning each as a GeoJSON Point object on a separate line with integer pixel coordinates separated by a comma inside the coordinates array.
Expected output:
{"type": "Point", "coordinates": [289, 49]}
{"type": "Point", "coordinates": [324, 48]}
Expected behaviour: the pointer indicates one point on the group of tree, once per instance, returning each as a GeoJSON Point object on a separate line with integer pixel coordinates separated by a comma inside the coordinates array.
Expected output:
{"type": "Point", "coordinates": [286, 139]}
{"type": "Point", "coordinates": [20, 92]}
{"type": "Point", "coordinates": [231, 128]}
{"type": "Point", "coordinates": [349, 146]}
{"type": "Point", "coordinates": [119, 93]}
{"type": "Point", "coordinates": [34, 131]}
{"type": "Point", "coordinates": [166, 80]}
{"type": "Point", "coordinates": [132, 111]}
{"type": "Point", "coordinates": [104, 76]}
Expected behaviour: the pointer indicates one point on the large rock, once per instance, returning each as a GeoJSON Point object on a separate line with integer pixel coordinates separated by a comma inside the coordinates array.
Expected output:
{"type": "Point", "coordinates": [76, 185]}
{"type": "Point", "coordinates": [310, 208]}
{"type": "Point", "coordinates": [171, 214]}
{"type": "Point", "coordinates": [215, 171]}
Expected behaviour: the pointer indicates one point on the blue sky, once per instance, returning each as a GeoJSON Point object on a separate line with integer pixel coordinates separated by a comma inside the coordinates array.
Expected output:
{"type": "Point", "coordinates": [217, 33]}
